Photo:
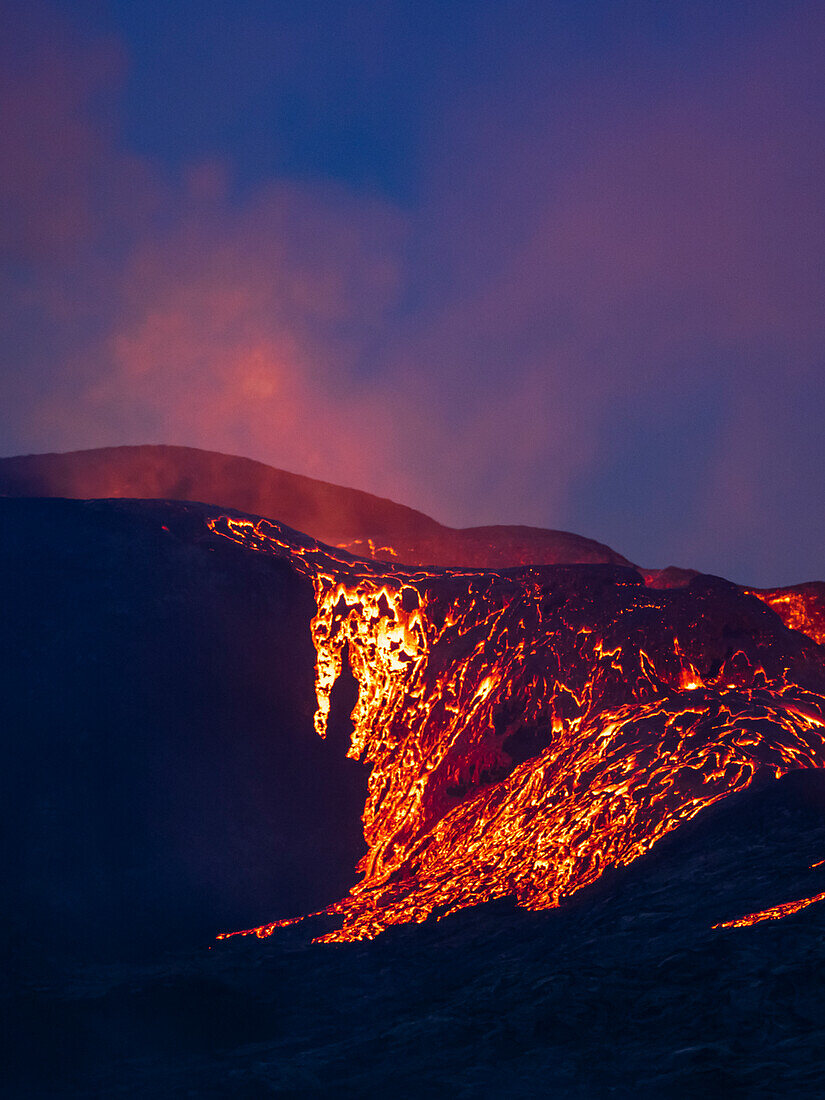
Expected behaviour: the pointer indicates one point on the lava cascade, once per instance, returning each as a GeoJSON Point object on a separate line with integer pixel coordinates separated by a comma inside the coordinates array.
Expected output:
{"type": "Point", "coordinates": [528, 729]}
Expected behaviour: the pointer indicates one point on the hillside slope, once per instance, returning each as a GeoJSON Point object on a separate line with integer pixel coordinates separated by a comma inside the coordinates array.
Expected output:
{"type": "Point", "coordinates": [366, 525]}
{"type": "Point", "coordinates": [162, 779]}
{"type": "Point", "coordinates": [626, 991]}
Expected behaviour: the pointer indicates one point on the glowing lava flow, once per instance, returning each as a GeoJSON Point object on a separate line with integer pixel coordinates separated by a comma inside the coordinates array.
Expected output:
{"type": "Point", "coordinates": [801, 608]}
{"type": "Point", "coordinates": [774, 913]}
{"type": "Point", "coordinates": [528, 729]}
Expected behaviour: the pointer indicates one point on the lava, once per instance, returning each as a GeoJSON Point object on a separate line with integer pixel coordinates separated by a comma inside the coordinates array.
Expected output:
{"type": "Point", "coordinates": [801, 608]}
{"type": "Point", "coordinates": [776, 912]}
{"type": "Point", "coordinates": [527, 729]}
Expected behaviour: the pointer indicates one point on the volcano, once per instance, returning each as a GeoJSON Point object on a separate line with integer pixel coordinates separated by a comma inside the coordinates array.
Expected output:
{"type": "Point", "coordinates": [219, 723]}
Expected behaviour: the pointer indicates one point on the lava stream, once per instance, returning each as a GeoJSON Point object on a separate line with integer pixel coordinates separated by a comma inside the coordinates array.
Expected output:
{"type": "Point", "coordinates": [527, 729]}
{"type": "Point", "coordinates": [776, 912]}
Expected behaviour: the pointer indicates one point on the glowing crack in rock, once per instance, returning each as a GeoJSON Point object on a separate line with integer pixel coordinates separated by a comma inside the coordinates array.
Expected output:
{"type": "Point", "coordinates": [527, 729]}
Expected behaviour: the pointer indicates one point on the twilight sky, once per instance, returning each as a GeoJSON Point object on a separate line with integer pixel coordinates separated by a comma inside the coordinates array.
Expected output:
{"type": "Point", "coordinates": [558, 263]}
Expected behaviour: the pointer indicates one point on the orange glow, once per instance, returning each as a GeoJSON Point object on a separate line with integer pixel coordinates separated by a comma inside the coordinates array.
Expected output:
{"type": "Point", "coordinates": [519, 739]}
{"type": "Point", "coordinates": [775, 913]}
{"type": "Point", "coordinates": [366, 548]}
{"type": "Point", "coordinates": [801, 609]}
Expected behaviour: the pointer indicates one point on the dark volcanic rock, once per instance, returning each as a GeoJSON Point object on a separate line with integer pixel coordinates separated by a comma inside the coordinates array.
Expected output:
{"type": "Point", "coordinates": [625, 991]}
{"type": "Point", "coordinates": [162, 779]}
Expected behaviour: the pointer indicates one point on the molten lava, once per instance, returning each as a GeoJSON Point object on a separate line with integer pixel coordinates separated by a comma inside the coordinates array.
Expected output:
{"type": "Point", "coordinates": [801, 608]}
{"type": "Point", "coordinates": [527, 729]}
{"type": "Point", "coordinates": [776, 912]}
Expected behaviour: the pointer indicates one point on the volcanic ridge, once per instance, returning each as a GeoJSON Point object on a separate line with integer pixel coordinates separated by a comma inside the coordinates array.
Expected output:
{"type": "Point", "coordinates": [521, 730]}
{"type": "Point", "coordinates": [365, 525]}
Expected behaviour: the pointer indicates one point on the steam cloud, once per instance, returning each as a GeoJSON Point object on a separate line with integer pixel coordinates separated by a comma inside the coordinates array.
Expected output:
{"type": "Point", "coordinates": [519, 345]}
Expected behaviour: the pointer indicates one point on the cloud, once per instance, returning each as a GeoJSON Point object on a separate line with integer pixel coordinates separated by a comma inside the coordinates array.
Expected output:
{"type": "Point", "coordinates": [139, 308]}
{"type": "Point", "coordinates": [589, 251]}
{"type": "Point", "coordinates": [241, 329]}
{"type": "Point", "coordinates": [64, 180]}
{"type": "Point", "coordinates": [670, 247]}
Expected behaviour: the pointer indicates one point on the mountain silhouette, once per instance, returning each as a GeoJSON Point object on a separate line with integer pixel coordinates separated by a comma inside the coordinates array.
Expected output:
{"type": "Point", "coordinates": [366, 525]}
